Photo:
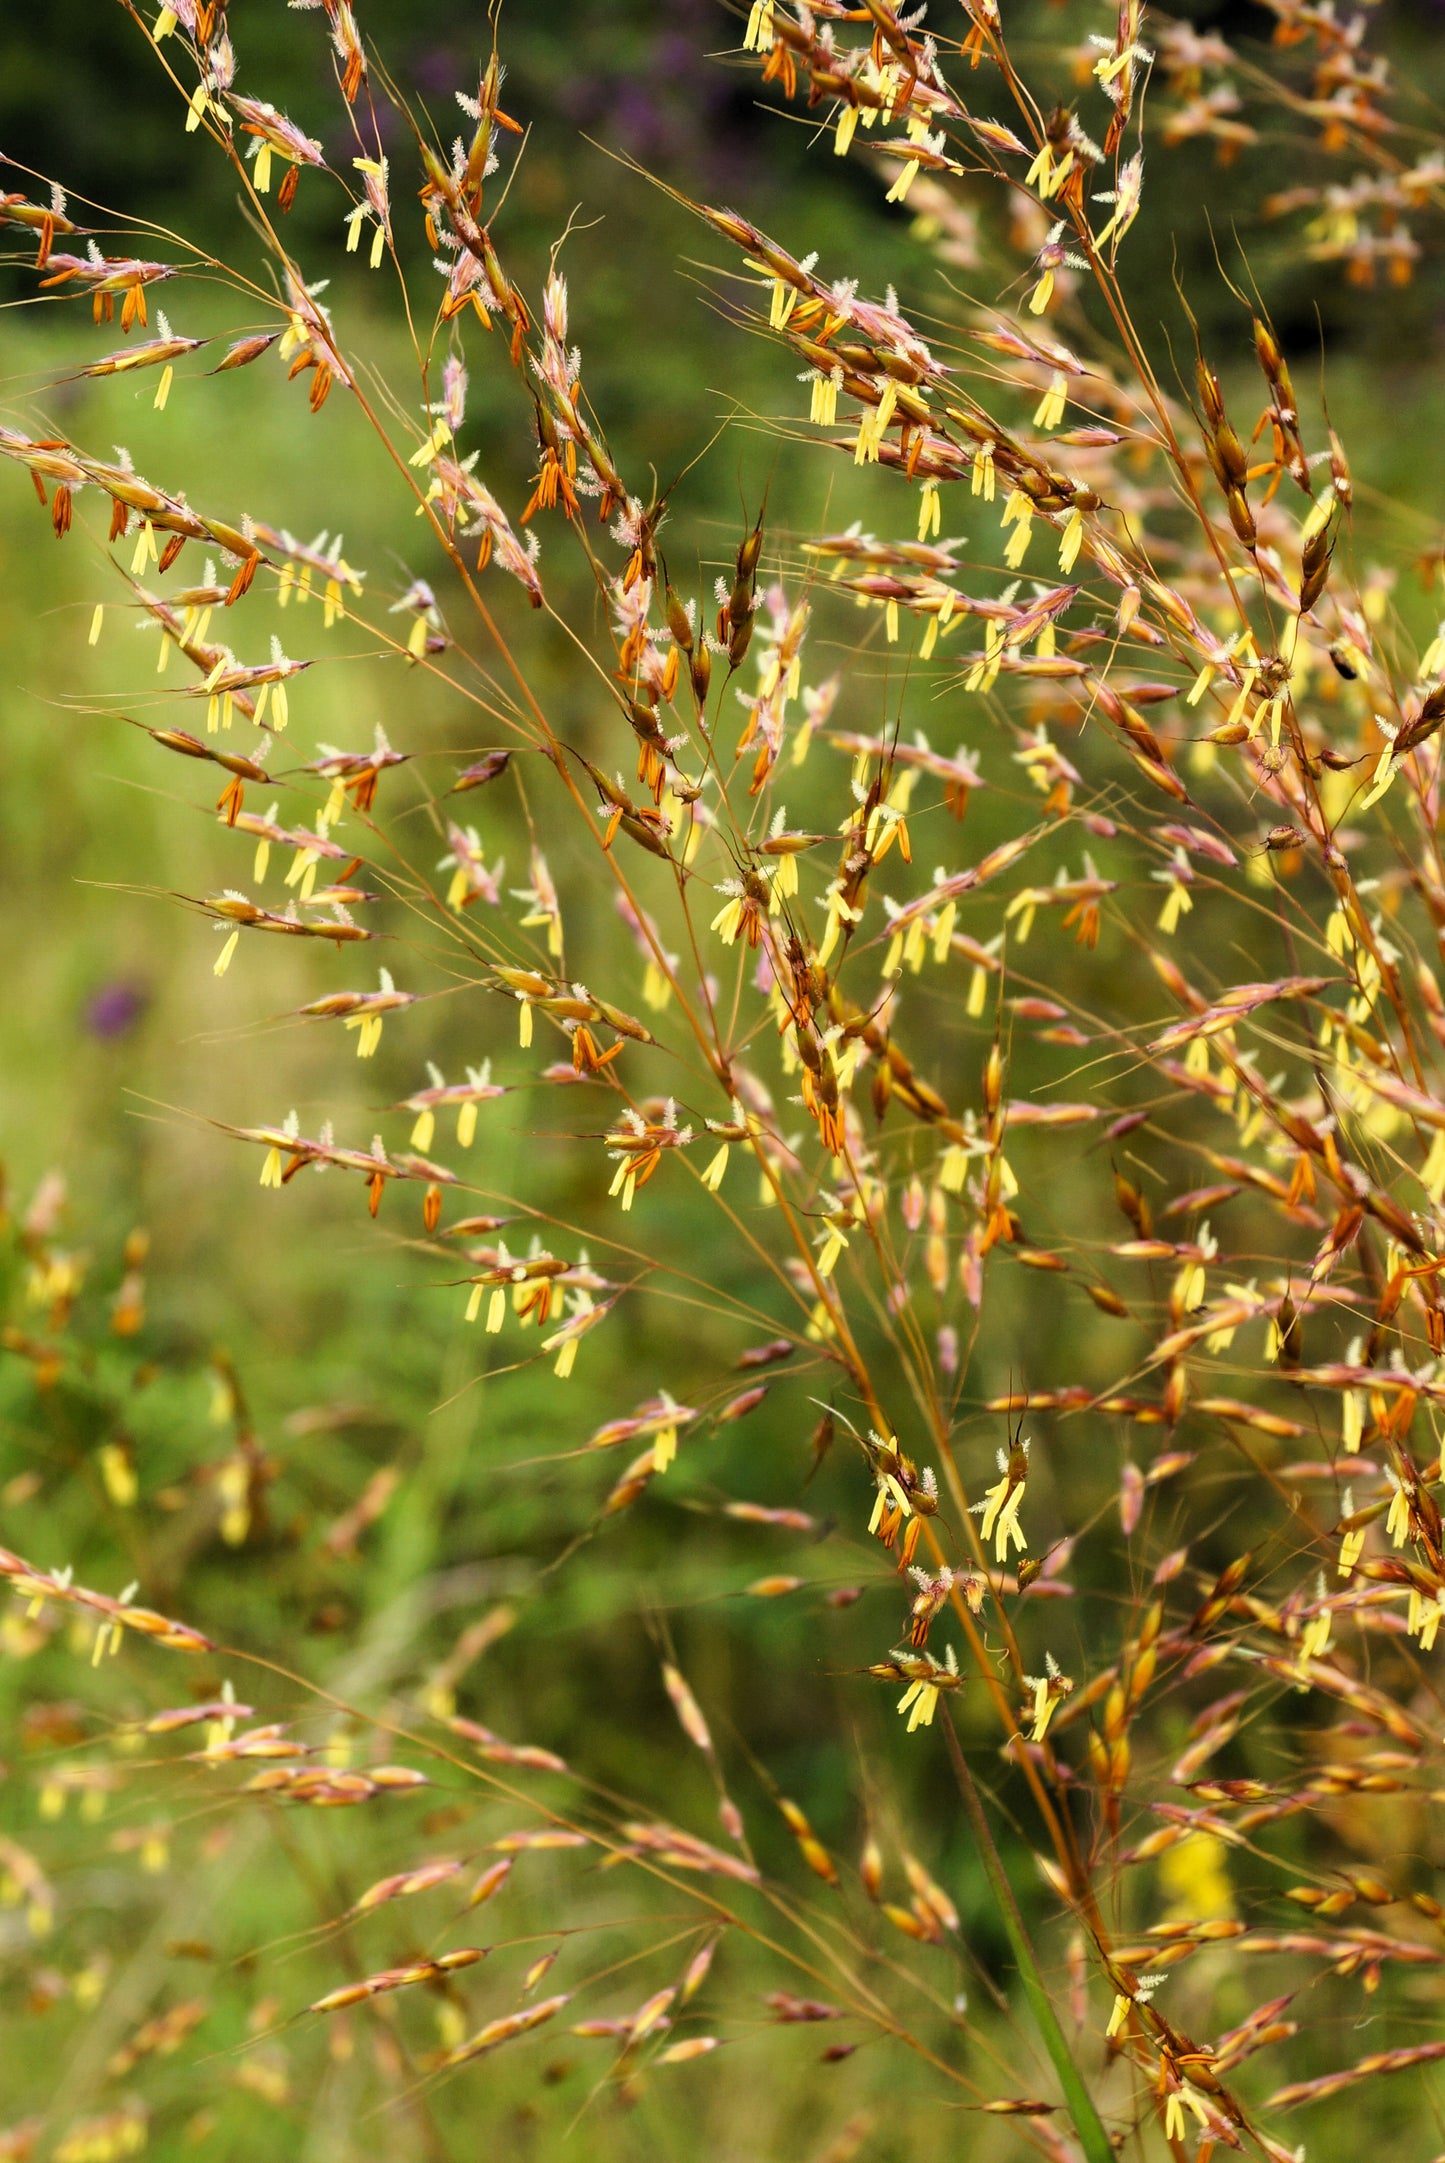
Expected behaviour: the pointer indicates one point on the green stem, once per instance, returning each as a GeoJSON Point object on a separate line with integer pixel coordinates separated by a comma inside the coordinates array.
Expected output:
{"type": "Point", "coordinates": [1087, 2122]}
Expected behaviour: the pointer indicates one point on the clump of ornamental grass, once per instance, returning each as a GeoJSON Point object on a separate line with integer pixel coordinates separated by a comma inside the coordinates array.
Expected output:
{"type": "Point", "coordinates": [982, 956]}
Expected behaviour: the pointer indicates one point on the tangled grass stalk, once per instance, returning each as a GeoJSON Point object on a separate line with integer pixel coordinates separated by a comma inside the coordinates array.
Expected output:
{"type": "Point", "coordinates": [1125, 1326]}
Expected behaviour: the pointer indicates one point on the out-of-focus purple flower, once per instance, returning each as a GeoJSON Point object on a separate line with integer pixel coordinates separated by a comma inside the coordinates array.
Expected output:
{"type": "Point", "coordinates": [639, 117]}
{"type": "Point", "coordinates": [437, 72]}
{"type": "Point", "coordinates": [663, 105]}
{"type": "Point", "coordinates": [115, 1009]}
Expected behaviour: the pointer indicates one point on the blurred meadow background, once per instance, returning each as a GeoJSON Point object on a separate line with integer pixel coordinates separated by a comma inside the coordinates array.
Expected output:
{"type": "Point", "coordinates": [407, 1518]}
